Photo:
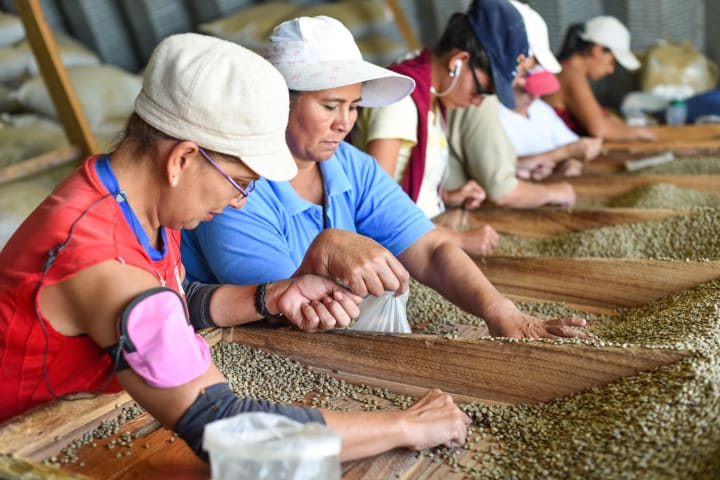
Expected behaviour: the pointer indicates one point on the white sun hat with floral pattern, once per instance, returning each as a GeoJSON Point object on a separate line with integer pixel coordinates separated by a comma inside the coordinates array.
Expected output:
{"type": "Point", "coordinates": [319, 53]}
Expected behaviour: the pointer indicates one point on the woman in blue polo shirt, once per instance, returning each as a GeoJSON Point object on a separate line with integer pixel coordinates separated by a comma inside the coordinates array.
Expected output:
{"type": "Point", "coordinates": [311, 224]}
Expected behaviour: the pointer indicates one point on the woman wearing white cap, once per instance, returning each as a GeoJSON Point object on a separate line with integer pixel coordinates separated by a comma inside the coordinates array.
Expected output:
{"type": "Point", "coordinates": [589, 52]}
{"type": "Point", "coordinates": [342, 215]}
{"type": "Point", "coordinates": [92, 297]}
{"type": "Point", "coordinates": [543, 143]}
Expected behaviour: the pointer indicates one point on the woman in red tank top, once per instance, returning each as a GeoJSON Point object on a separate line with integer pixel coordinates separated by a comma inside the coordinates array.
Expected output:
{"type": "Point", "coordinates": [589, 52]}
{"type": "Point", "coordinates": [91, 285]}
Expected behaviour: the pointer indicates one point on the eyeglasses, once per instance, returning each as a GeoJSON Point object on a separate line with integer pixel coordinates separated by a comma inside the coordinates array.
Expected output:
{"type": "Point", "coordinates": [244, 192]}
{"type": "Point", "coordinates": [480, 91]}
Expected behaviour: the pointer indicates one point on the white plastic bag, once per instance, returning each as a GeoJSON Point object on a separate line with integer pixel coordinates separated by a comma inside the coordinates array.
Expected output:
{"type": "Point", "coordinates": [387, 313]}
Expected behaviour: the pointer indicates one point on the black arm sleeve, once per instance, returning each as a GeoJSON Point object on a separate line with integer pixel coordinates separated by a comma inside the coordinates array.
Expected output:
{"type": "Point", "coordinates": [197, 296]}
{"type": "Point", "coordinates": [218, 401]}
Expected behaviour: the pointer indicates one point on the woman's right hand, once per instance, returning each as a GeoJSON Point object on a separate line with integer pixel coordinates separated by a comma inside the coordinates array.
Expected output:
{"type": "Point", "coordinates": [357, 261]}
{"type": "Point", "coordinates": [313, 303]}
{"type": "Point", "coordinates": [586, 148]}
{"type": "Point", "coordinates": [435, 420]}
{"type": "Point", "coordinates": [562, 194]}
{"type": "Point", "coordinates": [469, 196]}
{"type": "Point", "coordinates": [480, 241]}
{"type": "Point", "coordinates": [645, 134]}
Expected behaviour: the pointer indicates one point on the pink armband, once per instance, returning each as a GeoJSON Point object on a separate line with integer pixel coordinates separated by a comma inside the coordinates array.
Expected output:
{"type": "Point", "coordinates": [158, 342]}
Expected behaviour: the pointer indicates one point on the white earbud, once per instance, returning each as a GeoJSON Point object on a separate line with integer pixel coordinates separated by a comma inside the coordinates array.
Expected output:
{"type": "Point", "coordinates": [454, 74]}
{"type": "Point", "coordinates": [458, 68]}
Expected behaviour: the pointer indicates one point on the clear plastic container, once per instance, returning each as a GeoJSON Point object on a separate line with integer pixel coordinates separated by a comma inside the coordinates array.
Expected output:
{"type": "Point", "coordinates": [267, 446]}
{"type": "Point", "coordinates": [676, 113]}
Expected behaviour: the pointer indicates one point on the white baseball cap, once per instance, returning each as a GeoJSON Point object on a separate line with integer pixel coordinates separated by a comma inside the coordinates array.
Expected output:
{"type": "Point", "coordinates": [537, 34]}
{"type": "Point", "coordinates": [611, 33]}
{"type": "Point", "coordinates": [221, 96]}
{"type": "Point", "coordinates": [318, 53]}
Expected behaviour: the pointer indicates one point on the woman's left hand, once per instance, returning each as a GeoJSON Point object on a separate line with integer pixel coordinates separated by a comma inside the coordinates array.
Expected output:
{"type": "Point", "coordinates": [469, 196]}
{"type": "Point", "coordinates": [505, 320]}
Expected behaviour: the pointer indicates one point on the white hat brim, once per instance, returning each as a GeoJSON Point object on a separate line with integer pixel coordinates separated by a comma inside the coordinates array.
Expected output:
{"type": "Point", "coordinates": [381, 86]}
{"type": "Point", "coordinates": [547, 60]}
{"type": "Point", "coordinates": [626, 59]}
{"type": "Point", "coordinates": [276, 164]}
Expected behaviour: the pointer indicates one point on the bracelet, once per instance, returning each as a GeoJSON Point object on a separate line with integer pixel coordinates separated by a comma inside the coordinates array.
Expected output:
{"type": "Point", "coordinates": [260, 302]}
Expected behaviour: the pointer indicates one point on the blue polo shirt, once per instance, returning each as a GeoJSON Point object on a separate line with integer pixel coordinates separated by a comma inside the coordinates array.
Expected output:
{"type": "Point", "coordinates": [266, 240]}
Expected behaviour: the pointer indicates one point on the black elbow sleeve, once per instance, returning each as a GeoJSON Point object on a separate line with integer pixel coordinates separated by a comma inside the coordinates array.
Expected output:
{"type": "Point", "coordinates": [218, 401]}
{"type": "Point", "coordinates": [198, 296]}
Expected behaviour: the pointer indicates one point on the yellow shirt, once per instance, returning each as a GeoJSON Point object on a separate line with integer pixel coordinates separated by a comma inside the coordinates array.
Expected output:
{"type": "Point", "coordinates": [400, 121]}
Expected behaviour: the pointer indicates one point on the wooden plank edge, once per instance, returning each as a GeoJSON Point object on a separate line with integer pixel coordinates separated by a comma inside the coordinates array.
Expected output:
{"type": "Point", "coordinates": [522, 372]}
{"type": "Point", "coordinates": [604, 283]}
{"type": "Point", "coordinates": [547, 221]}
{"type": "Point", "coordinates": [602, 187]}
{"type": "Point", "coordinates": [14, 468]}
{"type": "Point", "coordinates": [40, 163]}
{"type": "Point", "coordinates": [40, 432]}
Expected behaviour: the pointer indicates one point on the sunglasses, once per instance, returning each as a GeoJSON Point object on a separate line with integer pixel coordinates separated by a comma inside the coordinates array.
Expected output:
{"type": "Point", "coordinates": [479, 90]}
{"type": "Point", "coordinates": [244, 192]}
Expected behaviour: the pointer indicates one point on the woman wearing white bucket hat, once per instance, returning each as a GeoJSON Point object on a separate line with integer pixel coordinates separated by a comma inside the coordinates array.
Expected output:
{"type": "Point", "coordinates": [342, 215]}
{"type": "Point", "coordinates": [589, 52]}
{"type": "Point", "coordinates": [92, 297]}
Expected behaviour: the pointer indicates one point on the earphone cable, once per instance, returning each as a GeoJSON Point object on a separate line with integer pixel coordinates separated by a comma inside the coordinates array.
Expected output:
{"type": "Point", "coordinates": [52, 255]}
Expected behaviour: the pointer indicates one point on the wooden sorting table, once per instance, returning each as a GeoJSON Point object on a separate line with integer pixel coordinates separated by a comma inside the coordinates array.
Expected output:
{"type": "Point", "coordinates": [682, 141]}
{"type": "Point", "coordinates": [408, 364]}
{"type": "Point", "coordinates": [523, 372]}
{"type": "Point", "coordinates": [685, 139]}
{"type": "Point", "coordinates": [604, 187]}
{"type": "Point", "coordinates": [589, 284]}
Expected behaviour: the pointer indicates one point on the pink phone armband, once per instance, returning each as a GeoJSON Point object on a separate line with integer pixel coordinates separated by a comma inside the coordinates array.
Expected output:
{"type": "Point", "coordinates": [159, 343]}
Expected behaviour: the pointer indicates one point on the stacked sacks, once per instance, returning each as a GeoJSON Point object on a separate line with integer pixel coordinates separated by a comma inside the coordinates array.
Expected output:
{"type": "Point", "coordinates": [371, 23]}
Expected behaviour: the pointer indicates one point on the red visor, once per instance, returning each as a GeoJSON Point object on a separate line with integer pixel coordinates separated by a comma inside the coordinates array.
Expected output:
{"type": "Point", "coordinates": [541, 82]}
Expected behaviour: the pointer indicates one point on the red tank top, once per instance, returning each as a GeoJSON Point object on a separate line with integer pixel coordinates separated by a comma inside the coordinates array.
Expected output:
{"type": "Point", "coordinates": [74, 364]}
{"type": "Point", "coordinates": [571, 121]}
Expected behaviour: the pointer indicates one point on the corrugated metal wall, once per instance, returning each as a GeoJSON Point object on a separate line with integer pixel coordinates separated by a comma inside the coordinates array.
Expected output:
{"type": "Point", "coordinates": [559, 14]}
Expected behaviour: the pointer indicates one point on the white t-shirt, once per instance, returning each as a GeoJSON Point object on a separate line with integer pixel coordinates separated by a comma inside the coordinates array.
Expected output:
{"type": "Point", "coordinates": [541, 131]}
{"type": "Point", "coordinates": [400, 120]}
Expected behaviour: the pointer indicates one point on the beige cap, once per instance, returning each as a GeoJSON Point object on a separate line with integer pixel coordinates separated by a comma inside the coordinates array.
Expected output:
{"type": "Point", "coordinates": [537, 35]}
{"type": "Point", "coordinates": [611, 33]}
{"type": "Point", "coordinates": [221, 96]}
{"type": "Point", "coordinates": [318, 53]}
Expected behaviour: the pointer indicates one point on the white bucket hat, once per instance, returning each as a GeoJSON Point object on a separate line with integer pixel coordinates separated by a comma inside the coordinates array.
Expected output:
{"type": "Point", "coordinates": [318, 53]}
{"type": "Point", "coordinates": [537, 34]}
{"type": "Point", "coordinates": [221, 96]}
{"type": "Point", "coordinates": [608, 31]}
